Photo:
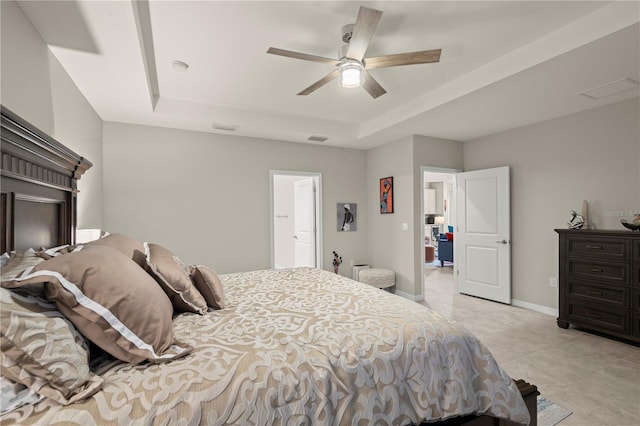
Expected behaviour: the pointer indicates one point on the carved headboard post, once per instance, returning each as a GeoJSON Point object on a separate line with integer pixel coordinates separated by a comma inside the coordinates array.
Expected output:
{"type": "Point", "coordinates": [81, 167]}
{"type": "Point", "coordinates": [38, 192]}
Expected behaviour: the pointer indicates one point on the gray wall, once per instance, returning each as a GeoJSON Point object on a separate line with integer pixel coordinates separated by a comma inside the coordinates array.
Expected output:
{"type": "Point", "coordinates": [555, 165]}
{"type": "Point", "coordinates": [206, 196]}
{"type": "Point", "coordinates": [36, 87]}
{"type": "Point", "coordinates": [390, 246]}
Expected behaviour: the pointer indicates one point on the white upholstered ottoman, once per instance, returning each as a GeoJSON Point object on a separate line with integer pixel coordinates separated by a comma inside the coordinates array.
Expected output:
{"type": "Point", "coordinates": [378, 277]}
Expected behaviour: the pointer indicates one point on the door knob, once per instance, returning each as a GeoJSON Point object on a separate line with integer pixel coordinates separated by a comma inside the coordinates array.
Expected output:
{"type": "Point", "coordinates": [295, 236]}
{"type": "Point", "coordinates": [502, 242]}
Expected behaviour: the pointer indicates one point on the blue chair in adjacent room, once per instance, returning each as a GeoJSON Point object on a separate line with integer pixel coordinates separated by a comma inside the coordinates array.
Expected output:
{"type": "Point", "coordinates": [445, 249]}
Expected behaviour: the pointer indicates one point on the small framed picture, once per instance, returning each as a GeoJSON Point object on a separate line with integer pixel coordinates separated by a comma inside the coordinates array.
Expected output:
{"type": "Point", "coordinates": [386, 195]}
{"type": "Point", "coordinates": [347, 216]}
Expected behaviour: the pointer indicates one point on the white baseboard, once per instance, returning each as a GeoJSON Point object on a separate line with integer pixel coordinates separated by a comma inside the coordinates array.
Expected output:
{"type": "Point", "coordinates": [412, 297]}
{"type": "Point", "coordinates": [534, 307]}
{"type": "Point", "coordinates": [514, 302]}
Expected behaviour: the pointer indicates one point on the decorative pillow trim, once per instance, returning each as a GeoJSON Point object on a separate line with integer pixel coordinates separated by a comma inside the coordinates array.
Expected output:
{"type": "Point", "coordinates": [107, 315]}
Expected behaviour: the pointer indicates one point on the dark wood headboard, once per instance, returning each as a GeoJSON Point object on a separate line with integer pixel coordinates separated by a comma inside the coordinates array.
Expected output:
{"type": "Point", "coordinates": [38, 191]}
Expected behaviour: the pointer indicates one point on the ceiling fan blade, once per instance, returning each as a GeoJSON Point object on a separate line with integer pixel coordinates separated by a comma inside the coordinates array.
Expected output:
{"type": "Point", "coordinates": [303, 56]}
{"type": "Point", "coordinates": [372, 86]}
{"type": "Point", "coordinates": [410, 58]}
{"type": "Point", "coordinates": [363, 30]}
{"type": "Point", "coordinates": [318, 84]}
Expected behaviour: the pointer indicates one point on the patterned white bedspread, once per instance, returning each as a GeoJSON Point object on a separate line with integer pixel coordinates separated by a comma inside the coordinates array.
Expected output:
{"type": "Point", "coordinates": [302, 346]}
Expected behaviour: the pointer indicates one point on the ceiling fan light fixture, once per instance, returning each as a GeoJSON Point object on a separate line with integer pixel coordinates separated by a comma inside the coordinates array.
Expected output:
{"type": "Point", "coordinates": [352, 58]}
{"type": "Point", "coordinates": [351, 74]}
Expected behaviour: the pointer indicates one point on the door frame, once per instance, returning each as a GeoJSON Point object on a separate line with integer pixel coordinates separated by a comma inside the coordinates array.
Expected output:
{"type": "Point", "coordinates": [318, 213]}
{"type": "Point", "coordinates": [423, 170]}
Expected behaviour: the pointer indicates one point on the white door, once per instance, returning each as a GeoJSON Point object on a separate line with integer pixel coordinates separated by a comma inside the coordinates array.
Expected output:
{"type": "Point", "coordinates": [304, 222]}
{"type": "Point", "coordinates": [483, 237]}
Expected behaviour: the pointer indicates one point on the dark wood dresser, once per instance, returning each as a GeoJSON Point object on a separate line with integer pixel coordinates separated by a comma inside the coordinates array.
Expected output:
{"type": "Point", "coordinates": [600, 281]}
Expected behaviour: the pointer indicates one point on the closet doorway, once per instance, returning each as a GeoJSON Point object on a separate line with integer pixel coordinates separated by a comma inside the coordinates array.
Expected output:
{"type": "Point", "coordinates": [295, 219]}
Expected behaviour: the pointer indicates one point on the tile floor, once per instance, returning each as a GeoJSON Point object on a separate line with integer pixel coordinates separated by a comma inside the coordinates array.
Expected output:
{"type": "Point", "coordinates": [595, 377]}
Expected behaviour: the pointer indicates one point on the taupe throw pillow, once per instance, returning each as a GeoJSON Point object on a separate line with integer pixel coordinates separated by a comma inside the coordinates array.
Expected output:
{"type": "Point", "coordinates": [209, 285]}
{"type": "Point", "coordinates": [131, 248]}
{"type": "Point", "coordinates": [111, 301]}
{"type": "Point", "coordinates": [173, 277]}
{"type": "Point", "coordinates": [126, 245]}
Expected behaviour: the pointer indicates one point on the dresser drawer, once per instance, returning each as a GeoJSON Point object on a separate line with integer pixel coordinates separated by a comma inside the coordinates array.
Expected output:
{"type": "Point", "coordinates": [635, 326]}
{"type": "Point", "coordinates": [635, 274]}
{"type": "Point", "coordinates": [587, 291]}
{"type": "Point", "coordinates": [635, 300]}
{"type": "Point", "coordinates": [601, 247]}
{"type": "Point", "coordinates": [599, 317]}
{"type": "Point", "coordinates": [602, 271]}
{"type": "Point", "coordinates": [636, 249]}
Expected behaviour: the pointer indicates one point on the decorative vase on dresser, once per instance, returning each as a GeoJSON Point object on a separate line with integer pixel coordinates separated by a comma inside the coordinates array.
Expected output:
{"type": "Point", "coordinates": [600, 281]}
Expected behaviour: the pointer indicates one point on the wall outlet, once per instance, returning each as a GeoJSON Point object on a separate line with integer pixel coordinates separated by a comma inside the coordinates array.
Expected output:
{"type": "Point", "coordinates": [404, 227]}
{"type": "Point", "coordinates": [553, 282]}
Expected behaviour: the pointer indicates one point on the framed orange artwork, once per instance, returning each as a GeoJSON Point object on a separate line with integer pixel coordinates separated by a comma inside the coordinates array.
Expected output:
{"type": "Point", "coordinates": [386, 195]}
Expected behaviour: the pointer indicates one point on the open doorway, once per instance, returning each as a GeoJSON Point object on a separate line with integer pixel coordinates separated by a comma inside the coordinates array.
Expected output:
{"type": "Point", "coordinates": [439, 220]}
{"type": "Point", "coordinates": [295, 219]}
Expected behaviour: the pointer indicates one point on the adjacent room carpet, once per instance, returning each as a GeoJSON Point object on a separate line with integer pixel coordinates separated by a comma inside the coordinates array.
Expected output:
{"type": "Point", "coordinates": [550, 414]}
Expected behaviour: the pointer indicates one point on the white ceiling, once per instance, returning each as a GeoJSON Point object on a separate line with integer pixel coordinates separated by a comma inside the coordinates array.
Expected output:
{"type": "Point", "coordinates": [504, 64]}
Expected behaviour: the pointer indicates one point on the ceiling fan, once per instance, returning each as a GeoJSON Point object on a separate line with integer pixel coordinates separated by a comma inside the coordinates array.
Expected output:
{"type": "Point", "coordinates": [352, 67]}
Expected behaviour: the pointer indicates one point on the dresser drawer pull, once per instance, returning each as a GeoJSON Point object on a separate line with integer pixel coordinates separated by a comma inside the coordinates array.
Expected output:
{"type": "Point", "coordinates": [594, 315]}
{"type": "Point", "coordinates": [596, 293]}
{"type": "Point", "coordinates": [592, 247]}
{"type": "Point", "coordinates": [596, 270]}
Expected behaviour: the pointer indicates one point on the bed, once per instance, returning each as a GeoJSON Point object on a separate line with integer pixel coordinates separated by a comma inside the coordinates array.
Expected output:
{"type": "Point", "coordinates": [292, 346]}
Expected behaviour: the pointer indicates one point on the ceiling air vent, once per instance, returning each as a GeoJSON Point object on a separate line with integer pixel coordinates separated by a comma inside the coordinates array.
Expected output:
{"type": "Point", "coordinates": [610, 88]}
{"type": "Point", "coordinates": [317, 138]}
{"type": "Point", "coordinates": [225, 128]}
